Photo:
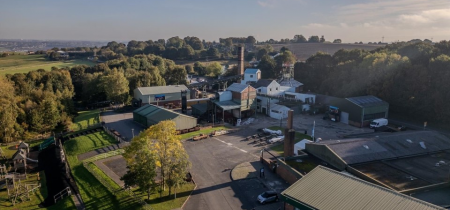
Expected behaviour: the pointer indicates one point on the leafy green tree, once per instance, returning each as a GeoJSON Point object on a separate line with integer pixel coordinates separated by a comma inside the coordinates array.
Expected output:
{"type": "Point", "coordinates": [115, 86]}
{"type": "Point", "coordinates": [213, 52]}
{"type": "Point", "coordinates": [300, 39]}
{"type": "Point", "coordinates": [322, 39]}
{"type": "Point", "coordinates": [267, 65]}
{"type": "Point", "coordinates": [141, 160]}
{"type": "Point", "coordinates": [214, 69]}
{"type": "Point", "coordinates": [262, 52]}
{"type": "Point", "coordinates": [8, 110]}
{"type": "Point", "coordinates": [186, 52]}
{"type": "Point", "coordinates": [175, 42]}
{"type": "Point", "coordinates": [176, 76]}
{"type": "Point", "coordinates": [314, 39]}
{"type": "Point", "coordinates": [251, 40]}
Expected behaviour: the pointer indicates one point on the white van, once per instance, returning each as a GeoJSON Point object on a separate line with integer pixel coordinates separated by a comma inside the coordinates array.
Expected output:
{"type": "Point", "coordinates": [378, 123]}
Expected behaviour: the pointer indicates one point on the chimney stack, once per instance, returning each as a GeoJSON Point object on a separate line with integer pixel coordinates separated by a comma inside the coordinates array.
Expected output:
{"type": "Point", "coordinates": [289, 135]}
{"type": "Point", "coordinates": [240, 54]}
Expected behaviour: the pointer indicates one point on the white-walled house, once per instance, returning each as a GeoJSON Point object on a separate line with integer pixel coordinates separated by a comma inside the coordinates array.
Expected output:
{"type": "Point", "coordinates": [251, 75]}
{"type": "Point", "coordinates": [268, 87]}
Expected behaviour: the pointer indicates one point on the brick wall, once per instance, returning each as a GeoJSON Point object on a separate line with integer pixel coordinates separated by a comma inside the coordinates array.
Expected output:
{"type": "Point", "coordinates": [283, 170]}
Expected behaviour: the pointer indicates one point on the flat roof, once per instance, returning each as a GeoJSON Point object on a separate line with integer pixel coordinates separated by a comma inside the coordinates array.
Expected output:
{"type": "Point", "coordinates": [326, 189]}
{"type": "Point", "coordinates": [386, 146]}
{"type": "Point", "coordinates": [161, 89]}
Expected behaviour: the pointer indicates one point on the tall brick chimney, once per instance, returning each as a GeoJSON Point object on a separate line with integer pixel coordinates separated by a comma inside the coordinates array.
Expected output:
{"type": "Point", "coordinates": [240, 54]}
{"type": "Point", "coordinates": [289, 135]}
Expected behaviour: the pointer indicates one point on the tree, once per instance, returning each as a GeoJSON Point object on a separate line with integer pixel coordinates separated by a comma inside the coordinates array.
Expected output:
{"type": "Point", "coordinates": [186, 52]}
{"type": "Point", "coordinates": [175, 42]}
{"type": "Point", "coordinates": [338, 41]}
{"type": "Point", "coordinates": [267, 67]}
{"type": "Point", "coordinates": [214, 69]}
{"type": "Point", "coordinates": [141, 160]}
{"type": "Point", "coordinates": [115, 85]}
{"type": "Point", "coordinates": [8, 110]}
{"type": "Point", "coordinates": [189, 69]}
{"type": "Point", "coordinates": [251, 40]}
{"type": "Point", "coordinates": [176, 76]}
{"type": "Point", "coordinates": [213, 52]}
{"type": "Point", "coordinates": [199, 68]}
{"type": "Point", "coordinates": [300, 39]}
{"type": "Point", "coordinates": [262, 52]}
{"type": "Point", "coordinates": [314, 39]}
{"type": "Point", "coordinates": [322, 39]}
{"type": "Point", "coordinates": [171, 157]}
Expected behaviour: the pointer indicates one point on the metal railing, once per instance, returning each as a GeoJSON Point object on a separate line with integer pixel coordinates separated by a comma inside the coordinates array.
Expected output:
{"type": "Point", "coordinates": [61, 194]}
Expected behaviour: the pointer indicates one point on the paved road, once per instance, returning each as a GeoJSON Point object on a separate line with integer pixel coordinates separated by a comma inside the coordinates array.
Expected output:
{"type": "Point", "coordinates": [122, 122]}
{"type": "Point", "coordinates": [212, 160]}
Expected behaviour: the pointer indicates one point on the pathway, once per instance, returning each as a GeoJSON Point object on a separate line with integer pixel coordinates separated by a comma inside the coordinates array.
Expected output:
{"type": "Point", "coordinates": [101, 151]}
{"type": "Point", "coordinates": [100, 164]}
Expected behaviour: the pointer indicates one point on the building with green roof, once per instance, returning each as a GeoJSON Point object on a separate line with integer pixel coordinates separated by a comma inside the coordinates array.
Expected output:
{"type": "Point", "coordinates": [149, 115]}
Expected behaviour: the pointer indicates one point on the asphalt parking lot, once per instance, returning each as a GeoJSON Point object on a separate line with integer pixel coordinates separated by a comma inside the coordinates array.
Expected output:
{"type": "Point", "coordinates": [123, 123]}
{"type": "Point", "coordinates": [212, 161]}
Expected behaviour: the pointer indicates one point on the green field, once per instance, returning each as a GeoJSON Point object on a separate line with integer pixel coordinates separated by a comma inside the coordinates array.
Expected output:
{"type": "Point", "coordinates": [85, 119]}
{"type": "Point", "coordinates": [94, 194]}
{"type": "Point", "coordinates": [25, 63]}
{"type": "Point", "coordinates": [280, 147]}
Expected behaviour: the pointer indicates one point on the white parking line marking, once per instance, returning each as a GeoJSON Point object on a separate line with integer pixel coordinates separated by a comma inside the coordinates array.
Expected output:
{"type": "Point", "coordinates": [230, 144]}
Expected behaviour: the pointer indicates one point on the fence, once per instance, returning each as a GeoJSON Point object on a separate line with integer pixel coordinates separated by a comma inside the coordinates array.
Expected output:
{"type": "Point", "coordinates": [61, 194]}
{"type": "Point", "coordinates": [117, 138]}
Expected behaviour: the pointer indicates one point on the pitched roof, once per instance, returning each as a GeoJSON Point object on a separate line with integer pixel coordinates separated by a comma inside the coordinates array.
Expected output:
{"type": "Point", "coordinates": [291, 83]}
{"type": "Point", "coordinates": [367, 101]}
{"type": "Point", "coordinates": [263, 83]}
{"type": "Point", "coordinates": [251, 71]}
{"type": "Point", "coordinates": [228, 105]}
{"type": "Point", "coordinates": [155, 114]}
{"type": "Point", "coordinates": [386, 146]}
{"type": "Point", "coordinates": [237, 87]}
{"type": "Point", "coordinates": [161, 89]}
{"type": "Point", "coordinates": [326, 189]}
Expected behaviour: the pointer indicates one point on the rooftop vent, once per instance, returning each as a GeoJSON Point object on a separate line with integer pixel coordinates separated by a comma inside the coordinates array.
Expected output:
{"type": "Point", "coordinates": [365, 146]}
{"type": "Point", "coordinates": [409, 140]}
{"type": "Point", "coordinates": [422, 144]}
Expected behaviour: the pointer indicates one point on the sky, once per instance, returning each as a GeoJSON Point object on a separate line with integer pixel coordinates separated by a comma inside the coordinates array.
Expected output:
{"type": "Point", "coordinates": [348, 20]}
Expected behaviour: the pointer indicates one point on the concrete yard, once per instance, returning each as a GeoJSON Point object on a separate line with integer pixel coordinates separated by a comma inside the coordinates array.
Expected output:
{"type": "Point", "coordinates": [122, 122]}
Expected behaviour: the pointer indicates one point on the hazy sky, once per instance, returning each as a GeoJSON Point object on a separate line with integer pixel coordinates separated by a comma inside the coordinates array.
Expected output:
{"type": "Point", "coordinates": [349, 20]}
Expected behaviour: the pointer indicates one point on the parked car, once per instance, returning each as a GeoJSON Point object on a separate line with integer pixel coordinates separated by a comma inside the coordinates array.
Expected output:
{"type": "Point", "coordinates": [268, 196]}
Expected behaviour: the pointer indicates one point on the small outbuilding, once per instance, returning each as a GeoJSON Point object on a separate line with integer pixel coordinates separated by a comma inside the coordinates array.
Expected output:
{"type": "Point", "coordinates": [149, 115]}
{"type": "Point", "coordinates": [278, 111]}
{"type": "Point", "coordinates": [300, 145]}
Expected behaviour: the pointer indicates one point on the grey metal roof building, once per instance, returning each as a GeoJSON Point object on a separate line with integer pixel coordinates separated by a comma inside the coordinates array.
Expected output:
{"type": "Point", "coordinates": [262, 83]}
{"type": "Point", "coordinates": [340, 153]}
{"type": "Point", "coordinates": [359, 111]}
{"type": "Point", "coordinates": [162, 94]}
{"type": "Point", "coordinates": [149, 115]}
{"type": "Point", "coordinates": [237, 87]}
{"type": "Point", "coordinates": [326, 189]}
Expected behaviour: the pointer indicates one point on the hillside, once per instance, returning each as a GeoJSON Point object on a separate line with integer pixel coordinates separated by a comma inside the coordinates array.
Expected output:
{"type": "Point", "coordinates": [304, 50]}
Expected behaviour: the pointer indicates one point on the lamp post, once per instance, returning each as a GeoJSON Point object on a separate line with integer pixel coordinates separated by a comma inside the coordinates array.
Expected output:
{"type": "Point", "coordinates": [132, 131]}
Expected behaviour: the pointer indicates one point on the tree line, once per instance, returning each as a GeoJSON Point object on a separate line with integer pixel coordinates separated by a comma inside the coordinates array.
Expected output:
{"type": "Point", "coordinates": [411, 76]}
{"type": "Point", "coordinates": [35, 103]}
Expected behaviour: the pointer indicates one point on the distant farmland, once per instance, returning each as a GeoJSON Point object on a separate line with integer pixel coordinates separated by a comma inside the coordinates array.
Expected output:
{"type": "Point", "coordinates": [25, 63]}
{"type": "Point", "coordinates": [305, 50]}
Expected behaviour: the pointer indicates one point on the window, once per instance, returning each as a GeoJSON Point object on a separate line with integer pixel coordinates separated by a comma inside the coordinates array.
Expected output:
{"type": "Point", "coordinates": [276, 88]}
{"type": "Point", "coordinates": [259, 90]}
{"type": "Point", "coordinates": [270, 89]}
{"type": "Point", "coordinates": [251, 76]}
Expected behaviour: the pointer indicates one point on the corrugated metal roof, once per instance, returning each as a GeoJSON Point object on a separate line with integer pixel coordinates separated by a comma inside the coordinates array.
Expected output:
{"type": "Point", "coordinates": [387, 146]}
{"type": "Point", "coordinates": [278, 107]}
{"type": "Point", "coordinates": [367, 101]}
{"type": "Point", "coordinates": [237, 87]}
{"type": "Point", "coordinates": [162, 89]}
{"type": "Point", "coordinates": [227, 105]}
{"type": "Point", "coordinates": [263, 83]}
{"type": "Point", "coordinates": [326, 189]}
{"type": "Point", "coordinates": [251, 71]}
{"type": "Point", "coordinates": [291, 83]}
{"type": "Point", "coordinates": [155, 114]}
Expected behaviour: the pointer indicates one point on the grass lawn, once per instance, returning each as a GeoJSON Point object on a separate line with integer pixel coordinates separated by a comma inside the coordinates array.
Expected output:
{"type": "Point", "coordinates": [84, 119]}
{"type": "Point", "coordinates": [36, 198]}
{"type": "Point", "coordinates": [205, 131]}
{"type": "Point", "coordinates": [25, 63]}
{"type": "Point", "coordinates": [9, 153]}
{"type": "Point", "coordinates": [280, 147]}
{"type": "Point", "coordinates": [86, 143]}
{"type": "Point", "coordinates": [94, 194]}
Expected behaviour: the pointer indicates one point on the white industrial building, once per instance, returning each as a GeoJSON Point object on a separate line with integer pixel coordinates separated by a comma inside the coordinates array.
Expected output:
{"type": "Point", "coordinates": [161, 94]}
{"type": "Point", "coordinates": [251, 75]}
